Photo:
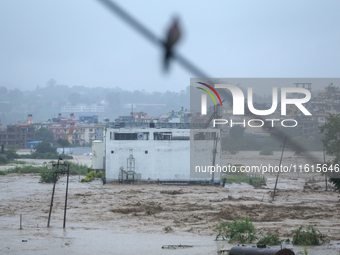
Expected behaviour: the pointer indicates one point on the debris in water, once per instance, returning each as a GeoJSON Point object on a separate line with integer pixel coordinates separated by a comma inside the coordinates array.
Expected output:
{"type": "Point", "coordinates": [176, 246]}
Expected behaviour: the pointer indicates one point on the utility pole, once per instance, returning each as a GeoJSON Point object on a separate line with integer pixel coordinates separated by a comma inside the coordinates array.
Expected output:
{"type": "Point", "coordinates": [214, 156]}
{"type": "Point", "coordinates": [324, 161]}
{"type": "Point", "coordinates": [68, 173]}
{"type": "Point", "coordinates": [277, 177]}
{"type": "Point", "coordinates": [55, 180]}
{"type": "Point", "coordinates": [215, 145]}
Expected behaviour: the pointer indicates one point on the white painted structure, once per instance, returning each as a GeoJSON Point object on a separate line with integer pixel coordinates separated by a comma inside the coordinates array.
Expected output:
{"type": "Point", "coordinates": [159, 153]}
{"type": "Point", "coordinates": [97, 155]}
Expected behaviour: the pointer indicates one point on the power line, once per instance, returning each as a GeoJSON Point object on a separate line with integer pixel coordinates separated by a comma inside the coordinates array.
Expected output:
{"type": "Point", "coordinates": [145, 32]}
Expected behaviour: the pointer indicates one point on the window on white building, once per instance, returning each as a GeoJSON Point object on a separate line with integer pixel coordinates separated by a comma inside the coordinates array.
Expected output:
{"type": "Point", "coordinates": [125, 136]}
{"type": "Point", "coordinates": [162, 135]}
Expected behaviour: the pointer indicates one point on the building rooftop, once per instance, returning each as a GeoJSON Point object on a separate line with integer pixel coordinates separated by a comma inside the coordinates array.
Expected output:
{"type": "Point", "coordinates": [156, 125]}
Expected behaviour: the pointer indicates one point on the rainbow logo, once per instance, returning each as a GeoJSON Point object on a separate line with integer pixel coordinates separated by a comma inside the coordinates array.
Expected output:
{"type": "Point", "coordinates": [209, 93]}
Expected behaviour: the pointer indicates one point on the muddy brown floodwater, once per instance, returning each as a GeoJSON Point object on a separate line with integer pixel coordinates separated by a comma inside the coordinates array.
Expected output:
{"type": "Point", "coordinates": [140, 219]}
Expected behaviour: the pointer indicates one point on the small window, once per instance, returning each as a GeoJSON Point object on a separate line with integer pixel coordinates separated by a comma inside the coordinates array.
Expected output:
{"type": "Point", "coordinates": [112, 152]}
{"type": "Point", "coordinates": [125, 136]}
{"type": "Point", "coordinates": [146, 152]}
{"type": "Point", "coordinates": [162, 135]}
{"type": "Point", "coordinates": [204, 135]}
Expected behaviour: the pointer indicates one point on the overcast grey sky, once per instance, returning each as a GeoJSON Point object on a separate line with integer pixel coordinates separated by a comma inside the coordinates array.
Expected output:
{"type": "Point", "coordinates": [80, 42]}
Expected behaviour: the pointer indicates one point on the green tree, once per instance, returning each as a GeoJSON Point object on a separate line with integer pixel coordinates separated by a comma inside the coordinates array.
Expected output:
{"type": "Point", "coordinates": [229, 144]}
{"type": "Point", "coordinates": [44, 134]}
{"type": "Point", "coordinates": [249, 143]}
{"type": "Point", "coordinates": [74, 98]}
{"type": "Point", "coordinates": [316, 143]}
{"type": "Point", "coordinates": [242, 231]}
{"type": "Point", "coordinates": [45, 147]}
{"type": "Point", "coordinates": [331, 141]}
{"type": "Point", "coordinates": [236, 132]}
{"type": "Point", "coordinates": [11, 153]}
{"type": "Point", "coordinates": [48, 177]}
{"type": "Point", "coordinates": [234, 141]}
{"type": "Point", "coordinates": [302, 141]}
{"type": "Point", "coordinates": [3, 161]}
{"type": "Point", "coordinates": [63, 143]}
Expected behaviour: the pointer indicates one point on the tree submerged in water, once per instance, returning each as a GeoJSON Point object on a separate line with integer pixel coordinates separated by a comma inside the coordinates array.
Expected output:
{"type": "Point", "coordinates": [241, 230]}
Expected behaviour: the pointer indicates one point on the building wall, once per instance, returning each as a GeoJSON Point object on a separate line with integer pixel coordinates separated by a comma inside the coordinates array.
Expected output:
{"type": "Point", "coordinates": [83, 108]}
{"type": "Point", "coordinates": [33, 144]}
{"type": "Point", "coordinates": [99, 133]}
{"type": "Point", "coordinates": [66, 133]}
{"type": "Point", "coordinates": [154, 159]}
{"type": "Point", "coordinates": [17, 135]}
{"type": "Point", "coordinates": [89, 133]}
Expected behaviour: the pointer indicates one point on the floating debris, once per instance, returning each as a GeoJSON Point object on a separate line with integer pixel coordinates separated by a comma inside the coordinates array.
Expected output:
{"type": "Point", "coordinates": [176, 246]}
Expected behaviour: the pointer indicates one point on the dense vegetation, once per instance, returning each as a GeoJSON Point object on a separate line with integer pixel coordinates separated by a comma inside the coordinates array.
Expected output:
{"type": "Point", "coordinates": [91, 175]}
{"type": "Point", "coordinates": [243, 177]}
{"type": "Point", "coordinates": [331, 141]}
{"type": "Point", "coordinates": [270, 239]}
{"type": "Point", "coordinates": [307, 235]}
{"type": "Point", "coordinates": [5, 161]}
{"type": "Point", "coordinates": [243, 231]}
{"type": "Point", "coordinates": [44, 134]}
{"type": "Point", "coordinates": [44, 150]}
{"type": "Point", "coordinates": [248, 142]}
{"type": "Point", "coordinates": [48, 177]}
{"type": "Point", "coordinates": [75, 169]}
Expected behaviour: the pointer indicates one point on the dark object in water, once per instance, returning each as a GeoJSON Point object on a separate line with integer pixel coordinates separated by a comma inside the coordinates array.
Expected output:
{"type": "Point", "coordinates": [176, 246]}
{"type": "Point", "coordinates": [260, 249]}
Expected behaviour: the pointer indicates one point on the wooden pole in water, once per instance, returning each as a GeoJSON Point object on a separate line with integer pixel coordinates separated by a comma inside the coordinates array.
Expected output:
{"type": "Point", "coordinates": [68, 173]}
{"type": "Point", "coordinates": [20, 221]}
{"type": "Point", "coordinates": [277, 177]}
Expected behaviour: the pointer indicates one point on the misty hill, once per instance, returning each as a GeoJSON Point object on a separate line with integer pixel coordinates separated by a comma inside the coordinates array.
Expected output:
{"type": "Point", "coordinates": [47, 101]}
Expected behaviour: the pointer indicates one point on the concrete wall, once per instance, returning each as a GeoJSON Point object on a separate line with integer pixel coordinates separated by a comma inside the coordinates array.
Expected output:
{"type": "Point", "coordinates": [81, 150]}
{"type": "Point", "coordinates": [154, 159]}
{"type": "Point", "coordinates": [99, 133]}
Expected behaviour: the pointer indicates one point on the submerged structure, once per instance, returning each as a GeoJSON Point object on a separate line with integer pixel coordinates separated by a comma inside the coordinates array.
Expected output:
{"type": "Point", "coordinates": [166, 152]}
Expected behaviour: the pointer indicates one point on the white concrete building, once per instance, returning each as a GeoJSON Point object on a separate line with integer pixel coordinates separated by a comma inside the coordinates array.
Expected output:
{"type": "Point", "coordinates": [159, 153]}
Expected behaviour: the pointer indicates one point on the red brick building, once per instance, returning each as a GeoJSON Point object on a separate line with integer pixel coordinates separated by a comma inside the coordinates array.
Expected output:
{"type": "Point", "coordinates": [17, 135]}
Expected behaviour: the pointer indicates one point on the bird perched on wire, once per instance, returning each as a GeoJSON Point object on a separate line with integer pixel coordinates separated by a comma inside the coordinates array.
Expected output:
{"type": "Point", "coordinates": [173, 35]}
